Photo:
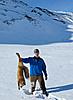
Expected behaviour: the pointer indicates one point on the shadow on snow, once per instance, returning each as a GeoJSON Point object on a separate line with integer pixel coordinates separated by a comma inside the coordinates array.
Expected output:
{"type": "Point", "coordinates": [60, 88]}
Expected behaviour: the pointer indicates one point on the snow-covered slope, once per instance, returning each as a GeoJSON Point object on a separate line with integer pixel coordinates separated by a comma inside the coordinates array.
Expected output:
{"type": "Point", "coordinates": [21, 23]}
{"type": "Point", "coordinates": [59, 61]}
{"type": "Point", "coordinates": [12, 10]}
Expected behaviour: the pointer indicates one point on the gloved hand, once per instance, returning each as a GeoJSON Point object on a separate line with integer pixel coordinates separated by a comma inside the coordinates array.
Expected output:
{"type": "Point", "coordinates": [46, 78]}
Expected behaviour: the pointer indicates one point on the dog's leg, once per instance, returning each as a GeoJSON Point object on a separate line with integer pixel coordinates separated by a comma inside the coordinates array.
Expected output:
{"type": "Point", "coordinates": [18, 86]}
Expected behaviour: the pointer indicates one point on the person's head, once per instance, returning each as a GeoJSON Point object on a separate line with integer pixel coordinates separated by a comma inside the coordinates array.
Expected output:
{"type": "Point", "coordinates": [36, 52]}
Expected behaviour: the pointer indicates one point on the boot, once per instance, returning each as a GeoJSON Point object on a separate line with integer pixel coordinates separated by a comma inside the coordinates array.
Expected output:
{"type": "Point", "coordinates": [46, 93]}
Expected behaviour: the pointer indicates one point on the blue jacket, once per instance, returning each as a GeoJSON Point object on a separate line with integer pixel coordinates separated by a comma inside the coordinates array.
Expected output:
{"type": "Point", "coordinates": [37, 66]}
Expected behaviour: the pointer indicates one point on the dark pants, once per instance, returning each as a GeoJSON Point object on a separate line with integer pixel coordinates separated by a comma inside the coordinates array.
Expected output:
{"type": "Point", "coordinates": [33, 80]}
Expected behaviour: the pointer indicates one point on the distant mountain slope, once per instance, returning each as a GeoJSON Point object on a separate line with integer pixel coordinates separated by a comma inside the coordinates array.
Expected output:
{"type": "Point", "coordinates": [22, 24]}
{"type": "Point", "coordinates": [12, 10]}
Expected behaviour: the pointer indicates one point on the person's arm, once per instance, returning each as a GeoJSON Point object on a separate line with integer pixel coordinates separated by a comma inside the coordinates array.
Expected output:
{"type": "Point", "coordinates": [44, 70]}
{"type": "Point", "coordinates": [26, 60]}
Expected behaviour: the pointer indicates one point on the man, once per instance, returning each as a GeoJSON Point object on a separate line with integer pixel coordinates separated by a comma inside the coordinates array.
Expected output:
{"type": "Point", "coordinates": [37, 66]}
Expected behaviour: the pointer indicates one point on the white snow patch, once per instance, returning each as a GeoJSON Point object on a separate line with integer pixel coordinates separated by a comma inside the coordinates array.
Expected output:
{"type": "Point", "coordinates": [59, 61]}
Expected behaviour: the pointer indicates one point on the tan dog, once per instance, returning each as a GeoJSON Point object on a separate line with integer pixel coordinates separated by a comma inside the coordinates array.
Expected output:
{"type": "Point", "coordinates": [20, 75]}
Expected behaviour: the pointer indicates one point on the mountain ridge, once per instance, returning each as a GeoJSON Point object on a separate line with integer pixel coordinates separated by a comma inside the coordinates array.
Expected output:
{"type": "Point", "coordinates": [20, 10]}
{"type": "Point", "coordinates": [21, 23]}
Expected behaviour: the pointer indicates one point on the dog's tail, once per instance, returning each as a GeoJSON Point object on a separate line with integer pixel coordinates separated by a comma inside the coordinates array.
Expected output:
{"type": "Point", "coordinates": [24, 68]}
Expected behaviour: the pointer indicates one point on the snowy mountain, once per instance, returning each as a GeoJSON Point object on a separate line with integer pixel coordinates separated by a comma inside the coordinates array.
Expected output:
{"type": "Point", "coordinates": [12, 10]}
{"type": "Point", "coordinates": [38, 23]}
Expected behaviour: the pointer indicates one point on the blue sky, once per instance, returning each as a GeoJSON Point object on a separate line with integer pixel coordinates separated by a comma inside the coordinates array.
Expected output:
{"type": "Point", "coordinates": [62, 5]}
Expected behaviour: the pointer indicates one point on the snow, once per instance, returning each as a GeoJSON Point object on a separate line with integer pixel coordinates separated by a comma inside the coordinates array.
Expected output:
{"type": "Point", "coordinates": [59, 61]}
